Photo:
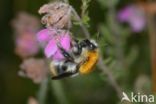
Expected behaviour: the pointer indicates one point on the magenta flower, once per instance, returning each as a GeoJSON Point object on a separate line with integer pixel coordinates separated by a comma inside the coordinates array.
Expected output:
{"type": "Point", "coordinates": [50, 39]}
{"type": "Point", "coordinates": [26, 45]}
{"type": "Point", "coordinates": [44, 36]}
{"type": "Point", "coordinates": [25, 27]}
{"type": "Point", "coordinates": [134, 16]}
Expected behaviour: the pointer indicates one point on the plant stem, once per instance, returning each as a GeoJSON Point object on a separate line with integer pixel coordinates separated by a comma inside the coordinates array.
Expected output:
{"type": "Point", "coordinates": [77, 17]}
{"type": "Point", "coordinates": [112, 80]}
{"type": "Point", "coordinates": [117, 35]}
{"type": "Point", "coordinates": [58, 92]}
{"type": "Point", "coordinates": [152, 36]}
{"type": "Point", "coordinates": [43, 91]}
{"type": "Point", "coordinates": [84, 29]}
{"type": "Point", "coordinates": [102, 66]}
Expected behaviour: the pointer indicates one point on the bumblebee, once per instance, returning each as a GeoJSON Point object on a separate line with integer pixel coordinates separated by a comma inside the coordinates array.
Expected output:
{"type": "Point", "coordinates": [81, 59]}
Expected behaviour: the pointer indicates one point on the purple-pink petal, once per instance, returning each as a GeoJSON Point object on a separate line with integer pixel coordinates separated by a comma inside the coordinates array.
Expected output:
{"type": "Point", "coordinates": [58, 56]}
{"type": "Point", "coordinates": [50, 49]}
{"type": "Point", "coordinates": [124, 14]}
{"type": "Point", "coordinates": [43, 35]}
{"type": "Point", "coordinates": [65, 42]}
{"type": "Point", "coordinates": [26, 45]}
{"type": "Point", "coordinates": [134, 16]}
{"type": "Point", "coordinates": [50, 39]}
{"type": "Point", "coordinates": [137, 25]}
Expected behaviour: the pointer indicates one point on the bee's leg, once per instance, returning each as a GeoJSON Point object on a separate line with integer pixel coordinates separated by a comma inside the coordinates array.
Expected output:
{"type": "Point", "coordinates": [91, 44]}
{"type": "Point", "coordinates": [76, 47]}
{"type": "Point", "coordinates": [84, 42]}
{"type": "Point", "coordinates": [65, 53]}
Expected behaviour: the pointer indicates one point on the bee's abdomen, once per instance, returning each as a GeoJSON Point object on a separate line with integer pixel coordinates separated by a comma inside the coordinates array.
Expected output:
{"type": "Point", "coordinates": [88, 65]}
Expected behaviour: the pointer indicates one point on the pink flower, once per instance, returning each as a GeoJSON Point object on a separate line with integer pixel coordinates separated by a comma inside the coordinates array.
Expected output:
{"type": "Point", "coordinates": [56, 15]}
{"type": "Point", "coordinates": [32, 100]}
{"type": "Point", "coordinates": [133, 15]}
{"type": "Point", "coordinates": [50, 39]}
{"type": "Point", "coordinates": [25, 22]}
{"type": "Point", "coordinates": [25, 27]}
{"type": "Point", "coordinates": [44, 36]}
{"type": "Point", "coordinates": [35, 69]}
{"type": "Point", "coordinates": [26, 45]}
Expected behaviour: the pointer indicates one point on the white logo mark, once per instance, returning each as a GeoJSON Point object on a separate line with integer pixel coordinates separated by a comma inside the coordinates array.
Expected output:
{"type": "Point", "coordinates": [125, 97]}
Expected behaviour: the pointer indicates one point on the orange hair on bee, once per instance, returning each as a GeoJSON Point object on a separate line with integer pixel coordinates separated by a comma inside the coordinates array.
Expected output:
{"type": "Point", "coordinates": [88, 65]}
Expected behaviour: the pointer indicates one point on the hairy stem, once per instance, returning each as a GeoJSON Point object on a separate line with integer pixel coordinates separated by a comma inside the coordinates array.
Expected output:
{"type": "Point", "coordinates": [77, 17]}
{"type": "Point", "coordinates": [102, 66]}
{"type": "Point", "coordinates": [84, 29]}
{"type": "Point", "coordinates": [59, 92]}
{"type": "Point", "coordinates": [112, 81]}
{"type": "Point", "coordinates": [152, 36]}
{"type": "Point", "coordinates": [43, 91]}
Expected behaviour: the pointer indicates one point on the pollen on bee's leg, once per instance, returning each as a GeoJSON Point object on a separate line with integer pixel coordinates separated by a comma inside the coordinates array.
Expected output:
{"type": "Point", "coordinates": [89, 64]}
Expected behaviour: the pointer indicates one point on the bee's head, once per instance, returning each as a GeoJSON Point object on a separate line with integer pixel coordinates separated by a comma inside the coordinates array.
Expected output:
{"type": "Point", "coordinates": [89, 44]}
